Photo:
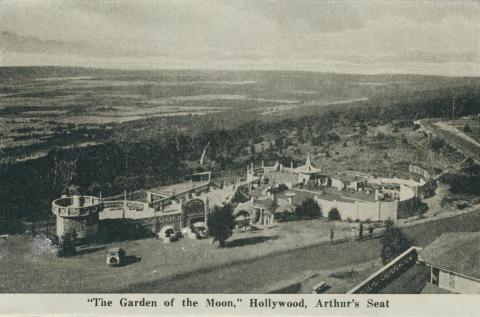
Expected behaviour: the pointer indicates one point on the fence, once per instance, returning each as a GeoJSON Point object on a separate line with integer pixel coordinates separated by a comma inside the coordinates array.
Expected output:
{"type": "Point", "coordinates": [387, 273]}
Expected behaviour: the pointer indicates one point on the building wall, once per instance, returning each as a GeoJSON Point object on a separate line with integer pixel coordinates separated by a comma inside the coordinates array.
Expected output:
{"type": "Point", "coordinates": [134, 210]}
{"type": "Point", "coordinates": [84, 227]}
{"type": "Point", "coordinates": [338, 184]}
{"type": "Point", "coordinates": [458, 283]}
{"type": "Point", "coordinates": [361, 210]}
{"type": "Point", "coordinates": [399, 181]}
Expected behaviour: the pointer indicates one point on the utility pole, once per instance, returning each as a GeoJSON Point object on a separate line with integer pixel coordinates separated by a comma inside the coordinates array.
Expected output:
{"type": "Point", "coordinates": [124, 203]}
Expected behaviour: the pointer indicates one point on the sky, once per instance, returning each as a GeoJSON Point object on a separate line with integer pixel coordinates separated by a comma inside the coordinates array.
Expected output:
{"type": "Point", "coordinates": [435, 37]}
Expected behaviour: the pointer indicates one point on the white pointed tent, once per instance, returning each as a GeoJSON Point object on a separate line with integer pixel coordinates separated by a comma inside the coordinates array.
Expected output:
{"type": "Point", "coordinates": [308, 168]}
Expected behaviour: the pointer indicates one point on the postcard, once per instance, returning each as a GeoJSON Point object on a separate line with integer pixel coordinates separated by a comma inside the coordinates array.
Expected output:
{"type": "Point", "coordinates": [214, 157]}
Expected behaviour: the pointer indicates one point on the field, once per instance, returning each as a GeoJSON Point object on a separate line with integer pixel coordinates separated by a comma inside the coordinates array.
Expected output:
{"type": "Point", "coordinates": [45, 107]}
{"type": "Point", "coordinates": [87, 272]}
{"type": "Point", "coordinates": [252, 262]}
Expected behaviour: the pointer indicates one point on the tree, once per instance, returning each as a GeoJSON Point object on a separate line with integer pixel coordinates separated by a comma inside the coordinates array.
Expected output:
{"type": "Point", "coordinates": [394, 242]}
{"type": "Point", "coordinates": [94, 189]}
{"type": "Point", "coordinates": [334, 214]}
{"type": "Point", "coordinates": [466, 128]}
{"type": "Point", "coordinates": [221, 223]}
{"type": "Point", "coordinates": [309, 209]}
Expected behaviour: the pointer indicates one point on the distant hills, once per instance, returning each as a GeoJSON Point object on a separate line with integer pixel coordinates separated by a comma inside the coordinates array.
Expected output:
{"type": "Point", "coordinates": [13, 43]}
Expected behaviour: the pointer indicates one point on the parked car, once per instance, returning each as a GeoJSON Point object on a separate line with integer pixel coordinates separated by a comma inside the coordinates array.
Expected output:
{"type": "Point", "coordinates": [169, 234]}
{"type": "Point", "coordinates": [115, 257]}
{"type": "Point", "coordinates": [201, 230]}
{"type": "Point", "coordinates": [320, 288]}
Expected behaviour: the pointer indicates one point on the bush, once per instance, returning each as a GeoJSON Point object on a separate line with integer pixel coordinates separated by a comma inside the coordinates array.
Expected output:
{"type": "Point", "coordinates": [334, 214]}
{"type": "Point", "coordinates": [120, 230]}
{"type": "Point", "coordinates": [309, 209]}
{"type": "Point", "coordinates": [285, 216]}
{"type": "Point", "coordinates": [67, 245]}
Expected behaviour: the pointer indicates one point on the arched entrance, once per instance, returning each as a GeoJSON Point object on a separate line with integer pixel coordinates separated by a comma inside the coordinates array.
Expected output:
{"type": "Point", "coordinates": [193, 211]}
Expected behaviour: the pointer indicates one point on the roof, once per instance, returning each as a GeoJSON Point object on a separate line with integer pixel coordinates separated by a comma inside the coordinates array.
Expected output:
{"type": "Point", "coordinates": [178, 188]}
{"type": "Point", "coordinates": [308, 168]}
{"type": "Point", "coordinates": [455, 251]}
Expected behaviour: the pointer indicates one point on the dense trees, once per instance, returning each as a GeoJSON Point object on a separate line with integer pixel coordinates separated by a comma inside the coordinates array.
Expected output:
{"type": "Point", "coordinates": [309, 209]}
{"type": "Point", "coordinates": [394, 242]}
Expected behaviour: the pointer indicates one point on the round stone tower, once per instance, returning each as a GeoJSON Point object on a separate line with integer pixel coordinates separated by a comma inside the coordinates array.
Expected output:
{"type": "Point", "coordinates": [77, 215]}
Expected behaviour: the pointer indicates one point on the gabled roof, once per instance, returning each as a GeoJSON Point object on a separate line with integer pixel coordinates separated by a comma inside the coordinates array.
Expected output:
{"type": "Point", "coordinates": [455, 251]}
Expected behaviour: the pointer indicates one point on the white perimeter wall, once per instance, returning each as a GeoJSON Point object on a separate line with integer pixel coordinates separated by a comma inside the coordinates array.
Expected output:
{"type": "Point", "coordinates": [361, 210]}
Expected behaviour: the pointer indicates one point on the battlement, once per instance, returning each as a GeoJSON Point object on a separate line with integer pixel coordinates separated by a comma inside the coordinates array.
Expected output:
{"type": "Point", "coordinates": [76, 206]}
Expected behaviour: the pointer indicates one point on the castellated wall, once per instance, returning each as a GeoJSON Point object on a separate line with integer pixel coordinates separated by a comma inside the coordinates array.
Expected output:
{"type": "Point", "coordinates": [361, 210]}
{"type": "Point", "coordinates": [84, 227]}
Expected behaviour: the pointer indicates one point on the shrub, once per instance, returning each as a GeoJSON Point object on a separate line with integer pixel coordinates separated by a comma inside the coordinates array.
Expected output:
{"type": "Point", "coordinates": [67, 245]}
{"type": "Point", "coordinates": [309, 209]}
{"type": "Point", "coordinates": [334, 214]}
{"type": "Point", "coordinates": [280, 216]}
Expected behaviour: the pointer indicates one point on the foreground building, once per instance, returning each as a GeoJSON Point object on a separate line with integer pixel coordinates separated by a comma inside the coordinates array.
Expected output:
{"type": "Point", "coordinates": [454, 262]}
{"type": "Point", "coordinates": [450, 264]}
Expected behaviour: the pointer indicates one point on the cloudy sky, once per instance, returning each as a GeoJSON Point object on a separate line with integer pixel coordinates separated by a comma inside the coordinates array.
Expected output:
{"type": "Point", "coordinates": [435, 37]}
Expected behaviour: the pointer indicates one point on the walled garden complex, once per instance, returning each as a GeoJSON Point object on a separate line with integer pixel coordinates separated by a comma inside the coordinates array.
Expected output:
{"type": "Point", "coordinates": [264, 195]}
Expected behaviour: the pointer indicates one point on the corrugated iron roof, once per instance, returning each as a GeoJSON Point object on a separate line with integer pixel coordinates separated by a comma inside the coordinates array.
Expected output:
{"type": "Point", "coordinates": [455, 251]}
